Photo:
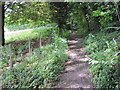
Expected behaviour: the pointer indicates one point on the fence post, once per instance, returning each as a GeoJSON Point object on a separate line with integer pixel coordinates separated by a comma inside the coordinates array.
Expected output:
{"type": "Point", "coordinates": [29, 45]}
{"type": "Point", "coordinates": [40, 40]}
{"type": "Point", "coordinates": [11, 61]}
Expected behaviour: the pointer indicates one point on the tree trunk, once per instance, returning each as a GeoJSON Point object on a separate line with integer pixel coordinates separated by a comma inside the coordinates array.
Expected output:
{"type": "Point", "coordinates": [1, 24]}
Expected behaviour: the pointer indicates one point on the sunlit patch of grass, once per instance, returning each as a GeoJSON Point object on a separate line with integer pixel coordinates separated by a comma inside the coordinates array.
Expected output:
{"type": "Point", "coordinates": [30, 35]}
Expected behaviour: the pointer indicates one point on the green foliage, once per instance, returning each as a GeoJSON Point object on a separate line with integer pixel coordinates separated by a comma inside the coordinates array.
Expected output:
{"type": "Point", "coordinates": [5, 54]}
{"type": "Point", "coordinates": [59, 12]}
{"type": "Point", "coordinates": [105, 76]}
{"type": "Point", "coordinates": [26, 12]}
{"type": "Point", "coordinates": [92, 16]}
{"type": "Point", "coordinates": [105, 13]}
{"type": "Point", "coordinates": [83, 17]}
{"type": "Point", "coordinates": [104, 63]}
{"type": "Point", "coordinates": [77, 18]}
{"type": "Point", "coordinates": [40, 69]}
{"type": "Point", "coordinates": [100, 42]}
{"type": "Point", "coordinates": [66, 33]}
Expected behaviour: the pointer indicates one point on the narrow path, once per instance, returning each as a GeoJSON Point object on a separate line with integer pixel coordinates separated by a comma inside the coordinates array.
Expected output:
{"type": "Point", "coordinates": [76, 73]}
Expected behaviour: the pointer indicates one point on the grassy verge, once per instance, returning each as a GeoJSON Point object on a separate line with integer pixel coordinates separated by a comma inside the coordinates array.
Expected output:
{"type": "Point", "coordinates": [104, 48]}
{"type": "Point", "coordinates": [16, 27]}
{"type": "Point", "coordinates": [31, 34]}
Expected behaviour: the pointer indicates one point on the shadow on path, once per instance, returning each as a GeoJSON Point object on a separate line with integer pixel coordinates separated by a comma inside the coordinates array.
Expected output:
{"type": "Point", "coordinates": [76, 73]}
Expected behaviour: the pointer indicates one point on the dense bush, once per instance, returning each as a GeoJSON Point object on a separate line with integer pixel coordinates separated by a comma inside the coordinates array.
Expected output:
{"type": "Point", "coordinates": [103, 48]}
{"type": "Point", "coordinates": [40, 69]}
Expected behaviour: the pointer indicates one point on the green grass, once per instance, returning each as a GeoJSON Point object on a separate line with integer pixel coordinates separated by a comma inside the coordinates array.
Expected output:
{"type": "Point", "coordinates": [31, 34]}
{"type": "Point", "coordinates": [17, 27]}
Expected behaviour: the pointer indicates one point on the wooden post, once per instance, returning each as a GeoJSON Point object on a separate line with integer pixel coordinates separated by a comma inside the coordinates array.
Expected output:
{"type": "Point", "coordinates": [1, 24]}
{"type": "Point", "coordinates": [11, 61]}
{"type": "Point", "coordinates": [40, 40]}
{"type": "Point", "coordinates": [29, 46]}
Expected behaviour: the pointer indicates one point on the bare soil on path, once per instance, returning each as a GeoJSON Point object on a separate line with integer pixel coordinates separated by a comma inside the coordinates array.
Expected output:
{"type": "Point", "coordinates": [76, 73]}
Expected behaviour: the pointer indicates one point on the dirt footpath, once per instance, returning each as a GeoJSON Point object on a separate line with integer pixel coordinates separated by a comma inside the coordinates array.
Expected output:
{"type": "Point", "coordinates": [76, 73]}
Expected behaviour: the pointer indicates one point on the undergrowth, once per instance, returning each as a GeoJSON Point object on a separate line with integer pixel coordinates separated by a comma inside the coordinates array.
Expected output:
{"type": "Point", "coordinates": [40, 69]}
{"type": "Point", "coordinates": [104, 52]}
